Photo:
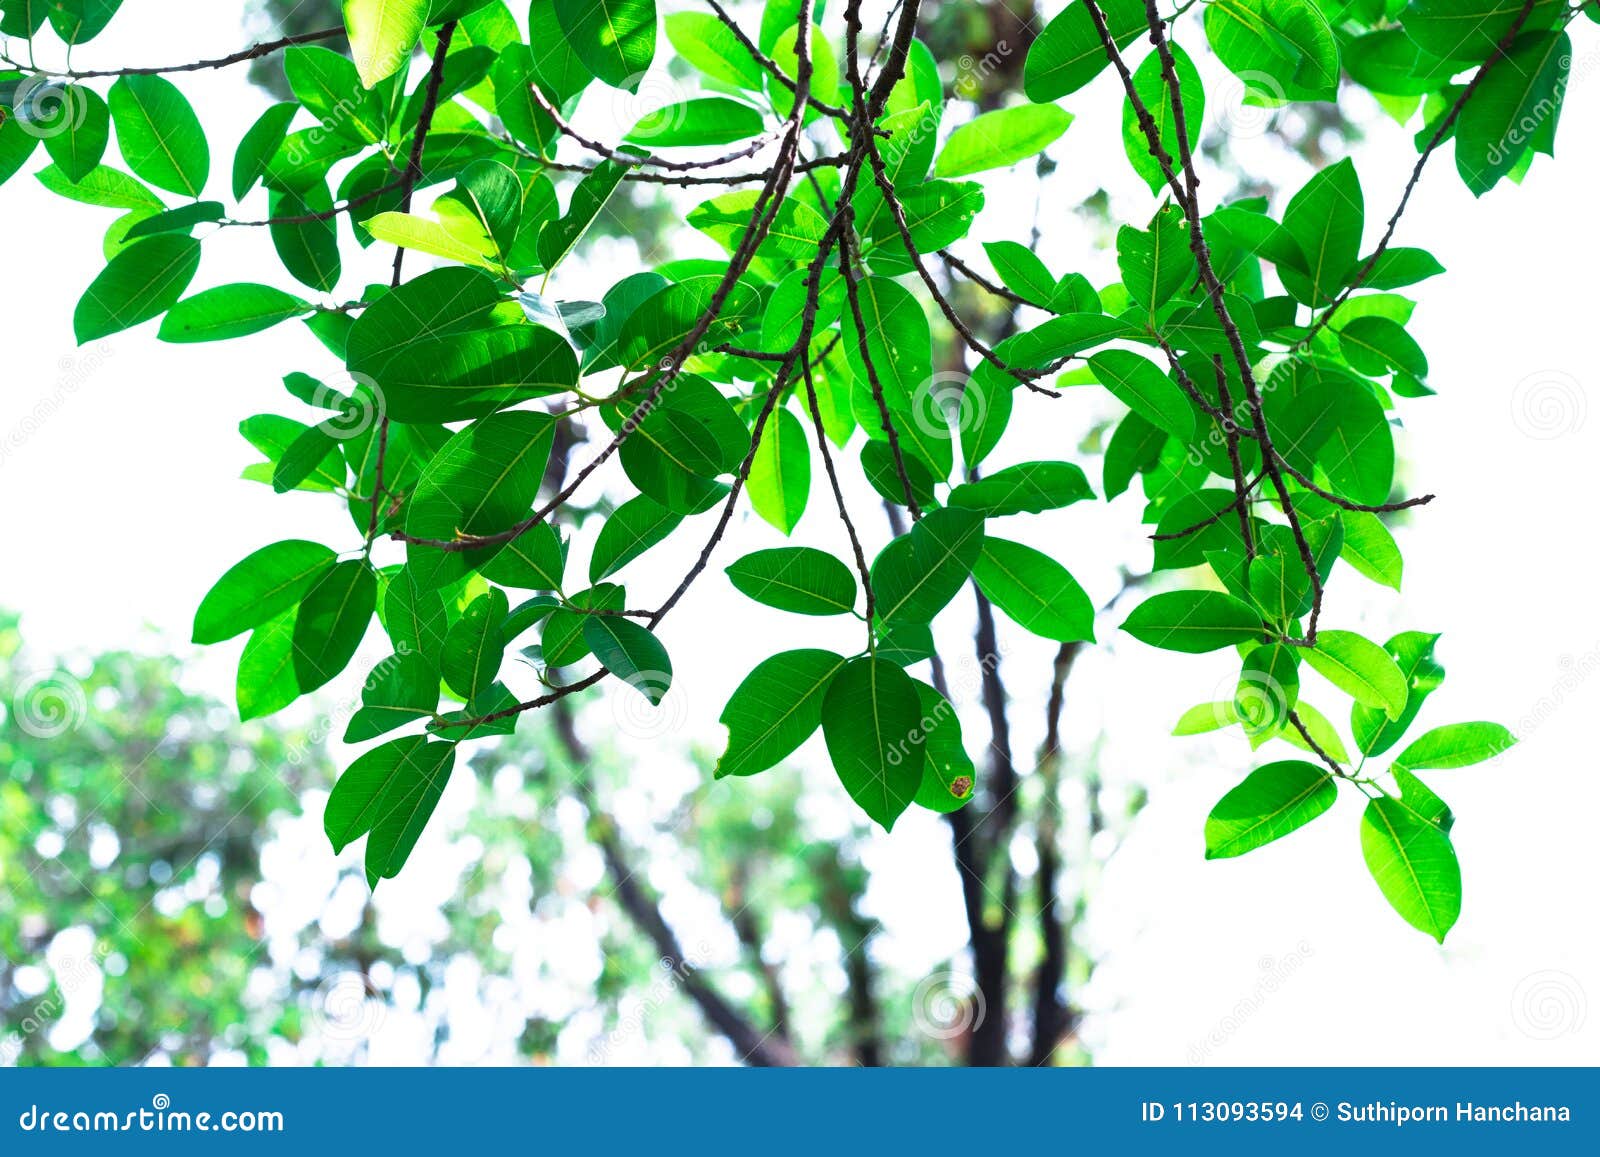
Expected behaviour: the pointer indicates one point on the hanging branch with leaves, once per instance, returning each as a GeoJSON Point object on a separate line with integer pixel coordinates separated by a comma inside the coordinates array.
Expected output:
{"type": "Point", "coordinates": [1260, 360]}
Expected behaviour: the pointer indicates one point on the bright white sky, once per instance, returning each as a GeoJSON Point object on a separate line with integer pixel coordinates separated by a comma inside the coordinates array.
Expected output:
{"type": "Point", "coordinates": [121, 504]}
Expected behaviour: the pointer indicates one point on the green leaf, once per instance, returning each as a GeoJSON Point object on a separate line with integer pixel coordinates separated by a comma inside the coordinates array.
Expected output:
{"type": "Point", "coordinates": [1375, 733]}
{"type": "Point", "coordinates": [662, 322]}
{"type": "Point", "coordinates": [708, 44]}
{"type": "Point", "coordinates": [260, 587]}
{"type": "Point", "coordinates": [475, 645]}
{"type": "Point", "coordinates": [562, 642]}
{"type": "Point", "coordinates": [1471, 29]}
{"type": "Point", "coordinates": [481, 482]}
{"type": "Point", "coordinates": [454, 240]}
{"type": "Point", "coordinates": [229, 311]}
{"type": "Point", "coordinates": [1370, 548]}
{"type": "Point", "coordinates": [141, 282]}
{"type": "Point", "coordinates": [415, 618]}
{"type": "Point", "coordinates": [266, 681]}
{"type": "Point", "coordinates": [1397, 267]}
{"type": "Point", "coordinates": [707, 120]}
{"type": "Point", "coordinates": [1026, 488]}
{"type": "Point", "coordinates": [796, 578]}
{"type": "Point", "coordinates": [919, 572]}
{"type": "Point", "coordinates": [1325, 218]}
{"type": "Point", "coordinates": [1455, 745]}
{"type": "Point", "coordinates": [469, 375]}
{"type": "Point", "coordinates": [1361, 669]}
{"type": "Point", "coordinates": [1193, 621]}
{"type": "Point", "coordinates": [631, 653]}
{"type": "Point", "coordinates": [316, 449]}
{"type": "Point", "coordinates": [1376, 345]}
{"type": "Point", "coordinates": [948, 775]}
{"type": "Point", "coordinates": [79, 21]}
{"type": "Point", "coordinates": [1035, 590]}
{"type": "Point", "coordinates": [160, 137]}
{"type": "Point", "coordinates": [1069, 53]}
{"type": "Point", "coordinates": [333, 618]}
{"type": "Point", "coordinates": [775, 709]}
{"type": "Point", "coordinates": [1138, 384]}
{"type": "Point", "coordinates": [76, 139]}
{"type": "Point", "coordinates": [871, 720]}
{"type": "Point", "coordinates": [1515, 109]}
{"type": "Point", "coordinates": [436, 304]}
{"type": "Point", "coordinates": [330, 88]}
{"type": "Point", "coordinates": [633, 528]}
{"type": "Point", "coordinates": [1273, 801]}
{"type": "Point", "coordinates": [1322, 733]}
{"type": "Point", "coordinates": [999, 139]}
{"type": "Point", "coordinates": [401, 690]}
{"type": "Point", "coordinates": [900, 346]}
{"type": "Point", "coordinates": [1156, 97]}
{"type": "Point", "coordinates": [1269, 688]}
{"type": "Point", "coordinates": [1156, 263]}
{"type": "Point", "coordinates": [309, 249]}
{"type": "Point", "coordinates": [1281, 49]}
{"type": "Point", "coordinates": [1414, 864]}
{"type": "Point", "coordinates": [259, 145]}
{"type": "Point", "coordinates": [1021, 271]}
{"type": "Point", "coordinates": [534, 560]}
{"type": "Point", "coordinates": [383, 34]}
{"type": "Point", "coordinates": [780, 475]}
{"type": "Point", "coordinates": [391, 792]}
{"type": "Point", "coordinates": [104, 185]}
{"type": "Point", "coordinates": [616, 39]}
{"type": "Point", "coordinates": [558, 238]}
{"type": "Point", "coordinates": [180, 220]}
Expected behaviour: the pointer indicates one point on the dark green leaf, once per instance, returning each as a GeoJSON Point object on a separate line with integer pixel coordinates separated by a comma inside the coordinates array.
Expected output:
{"type": "Point", "coordinates": [871, 720]}
{"type": "Point", "coordinates": [796, 578]}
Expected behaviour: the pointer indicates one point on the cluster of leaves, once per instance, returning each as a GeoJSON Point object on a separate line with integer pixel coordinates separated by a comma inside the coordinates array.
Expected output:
{"type": "Point", "coordinates": [1259, 422]}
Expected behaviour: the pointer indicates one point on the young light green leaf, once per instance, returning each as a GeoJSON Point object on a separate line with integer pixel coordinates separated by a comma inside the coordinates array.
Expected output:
{"type": "Point", "coordinates": [1414, 864]}
{"type": "Point", "coordinates": [995, 140]}
{"type": "Point", "coordinates": [1361, 669]}
{"type": "Point", "coordinates": [1272, 801]}
{"type": "Point", "coordinates": [383, 34]}
{"type": "Point", "coordinates": [1455, 745]}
